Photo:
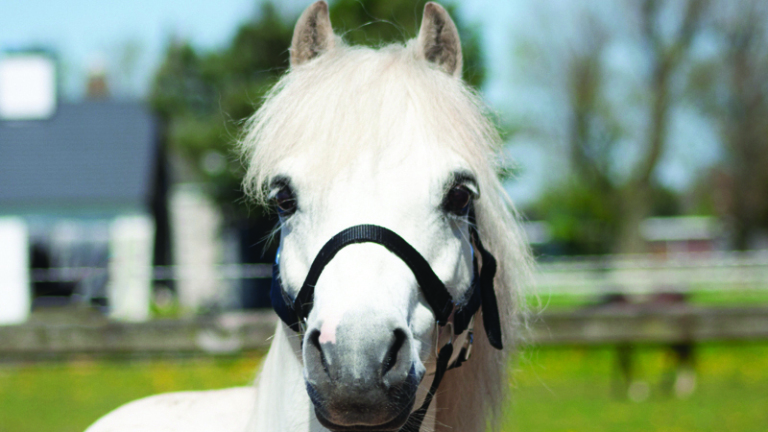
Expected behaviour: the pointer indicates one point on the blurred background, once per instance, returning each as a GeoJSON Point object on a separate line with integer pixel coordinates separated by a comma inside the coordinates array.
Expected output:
{"type": "Point", "coordinates": [636, 144]}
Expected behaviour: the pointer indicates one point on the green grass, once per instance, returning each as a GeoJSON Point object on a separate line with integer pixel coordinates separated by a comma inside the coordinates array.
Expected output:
{"type": "Point", "coordinates": [571, 390]}
{"type": "Point", "coordinates": [555, 389]}
{"type": "Point", "coordinates": [64, 397]}
{"type": "Point", "coordinates": [734, 298]}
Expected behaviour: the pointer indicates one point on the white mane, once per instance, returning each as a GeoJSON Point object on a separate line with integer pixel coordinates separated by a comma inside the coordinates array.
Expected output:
{"type": "Point", "coordinates": [351, 98]}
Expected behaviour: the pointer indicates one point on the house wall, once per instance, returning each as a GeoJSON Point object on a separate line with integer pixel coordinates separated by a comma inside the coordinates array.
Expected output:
{"type": "Point", "coordinates": [131, 241]}
{"type": "Point", "coordinates": [196, 232]}
{"type": "Point", "coordinates": [15, 295]}
{"type": "Point", "coordinates": [103, 257]}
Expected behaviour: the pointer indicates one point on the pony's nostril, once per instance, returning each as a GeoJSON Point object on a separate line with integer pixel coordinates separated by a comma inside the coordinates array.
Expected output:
{"type": "Point", "coordinates": [391, 358]}
{"type": "Point", "coordinates": [314, 339]}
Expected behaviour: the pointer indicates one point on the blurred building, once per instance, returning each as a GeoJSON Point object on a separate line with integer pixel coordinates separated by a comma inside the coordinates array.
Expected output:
{"type": "Point", "coordinates": [88, 182]}
{"type": "Point", "coordinates": [661, 236]}
{"type": "Point", "coordinates": [682, 234]}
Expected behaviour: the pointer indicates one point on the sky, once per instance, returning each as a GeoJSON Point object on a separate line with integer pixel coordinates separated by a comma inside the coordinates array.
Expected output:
{"type": "Point", "coordinates": [130, 36]}
{"type": "Point", "coordinates": [88, 33]}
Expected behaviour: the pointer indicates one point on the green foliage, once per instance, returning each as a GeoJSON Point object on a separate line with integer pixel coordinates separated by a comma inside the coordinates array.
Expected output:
{"type": "Point", "coordinates": [585, 218]}
{"type": "Point", "coordinates": [204, 97]}
{"type": "Point", "coordinates": [376, 22]}
{"type": "Point", "coordinates": [581, 221]}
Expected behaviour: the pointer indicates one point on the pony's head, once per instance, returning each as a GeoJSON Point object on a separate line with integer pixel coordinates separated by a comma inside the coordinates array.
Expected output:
{"type": "Point", "coordinates": [390, 137]}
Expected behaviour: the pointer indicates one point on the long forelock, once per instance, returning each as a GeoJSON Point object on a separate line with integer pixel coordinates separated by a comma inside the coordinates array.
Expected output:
{"type": "Point", "coordinates": [353, 99]}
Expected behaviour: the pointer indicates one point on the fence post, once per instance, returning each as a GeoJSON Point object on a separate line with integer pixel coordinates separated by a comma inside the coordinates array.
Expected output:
{"type": "Point", "coordinates": [15, 293]}
{"type": "Point", "coordinates": [197, 248]}
{"type": "Point", "coordinates": [129, 291]}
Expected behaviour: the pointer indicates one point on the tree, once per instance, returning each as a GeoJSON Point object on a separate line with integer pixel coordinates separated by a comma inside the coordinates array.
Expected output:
{"type": "Point", "coordinates": [666, 59]}
{"type": "Point", "coordinates": [204, 97]}
{"type": "Point", "coordinates": [613, 156]}
{"type": "Point", "coordinates": [746, 123]}
{"type": "Point", "coordinates": [377, 22]}
{"type": "Point", "coordinates": [733, 88]}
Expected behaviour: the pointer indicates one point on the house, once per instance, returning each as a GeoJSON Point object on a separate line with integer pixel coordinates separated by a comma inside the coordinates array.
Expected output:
{"type": "Point", "coordinates": [682, 234]}
{"type": "Point", "coordinates": [83, 186]}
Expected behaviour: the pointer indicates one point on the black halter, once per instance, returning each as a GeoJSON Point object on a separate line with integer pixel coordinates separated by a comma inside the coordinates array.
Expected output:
{"type": "Point", "coordinates": [294, 313]}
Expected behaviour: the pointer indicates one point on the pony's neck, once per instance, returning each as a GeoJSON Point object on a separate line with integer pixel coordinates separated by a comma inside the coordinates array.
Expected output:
{"type": "Point", "coordinates": [282, 403]}
{"type": "Point", "coordinates": [469, 396]}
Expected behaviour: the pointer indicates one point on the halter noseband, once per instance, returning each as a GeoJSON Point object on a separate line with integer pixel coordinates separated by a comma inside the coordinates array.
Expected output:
{"type": "Point", "coordinates": [294, 312]}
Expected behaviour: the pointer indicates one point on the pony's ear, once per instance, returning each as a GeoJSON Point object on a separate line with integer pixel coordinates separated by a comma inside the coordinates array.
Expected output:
{"type": "Point", "coordinates": [439, 39]}
{"type": "Point", "coordinates": [313, 34]}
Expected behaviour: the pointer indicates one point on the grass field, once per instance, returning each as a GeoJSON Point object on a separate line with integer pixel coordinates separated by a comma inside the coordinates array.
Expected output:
{"type": "Point", "coordinates": [733, 298]}
{"type": "Point", "coordinates": [570, 390]}
{"type": "Point", "coordinates": [64, 397]}
{"type": "Point", "coordinates": [555, 389]}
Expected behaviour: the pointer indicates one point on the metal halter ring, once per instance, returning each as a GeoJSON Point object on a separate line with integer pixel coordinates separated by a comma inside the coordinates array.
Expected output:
{"type": "Point", "coordinates": [302, 326]}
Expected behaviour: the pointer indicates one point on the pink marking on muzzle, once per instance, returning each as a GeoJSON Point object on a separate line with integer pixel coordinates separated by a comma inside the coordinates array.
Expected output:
{"type": "Point", "coordinates": [328, 330]}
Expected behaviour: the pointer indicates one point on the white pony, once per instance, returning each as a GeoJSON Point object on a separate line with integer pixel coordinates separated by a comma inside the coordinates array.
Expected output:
{"type": "Point", "coordinates": [390, 137]}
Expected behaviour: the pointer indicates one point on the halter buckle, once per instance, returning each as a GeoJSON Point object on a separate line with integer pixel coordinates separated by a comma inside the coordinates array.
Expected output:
{"type": "Point", "coordinates": [439, 332]}
{"type": "Point", "coordinates": [466, 348]}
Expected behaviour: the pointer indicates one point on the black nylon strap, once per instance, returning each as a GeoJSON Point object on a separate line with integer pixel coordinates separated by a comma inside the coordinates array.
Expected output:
{"type": "Point", "coordinates": [463, 315]}
{"type": "Point", "coordinates": [434, 290]}
{"type": "Point", "coordinates": [280, 303]}
{"type": "Point", "coordinates": [417, 417]}
{"type": "Point", "coordinates": [491, 320]}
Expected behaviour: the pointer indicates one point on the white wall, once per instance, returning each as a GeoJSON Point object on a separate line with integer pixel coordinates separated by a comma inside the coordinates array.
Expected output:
{"type": "Point", "coordinates": [15, 292]}
{"type": "Point", "coordinates": [197, 247]}
{"type": "Point", "coordinates": [129, 289]}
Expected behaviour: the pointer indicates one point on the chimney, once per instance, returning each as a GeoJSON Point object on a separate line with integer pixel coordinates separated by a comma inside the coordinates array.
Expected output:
{"type": "Point", "coordinates": [96, 87]}
{"type": "Point", "coordinates": [27, 85]}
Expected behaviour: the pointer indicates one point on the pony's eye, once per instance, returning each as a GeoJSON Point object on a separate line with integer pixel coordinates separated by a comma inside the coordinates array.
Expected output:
{"type": "Point", "coordinates": [285, 201]}
{"type": "Point", "coordinates": [457, 200]}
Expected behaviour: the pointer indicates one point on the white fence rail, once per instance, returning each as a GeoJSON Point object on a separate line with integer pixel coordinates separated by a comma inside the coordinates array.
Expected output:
{"type": "Point", "coordinates": [644, 274]}
{"type": "Point", "coordinates": [628, 274]}
{"type": "Point", "coordinates": [159, 273]}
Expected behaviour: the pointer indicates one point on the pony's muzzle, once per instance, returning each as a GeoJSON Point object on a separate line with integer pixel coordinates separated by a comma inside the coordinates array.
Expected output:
{"type": "Point", "coordinates": [365, 378]}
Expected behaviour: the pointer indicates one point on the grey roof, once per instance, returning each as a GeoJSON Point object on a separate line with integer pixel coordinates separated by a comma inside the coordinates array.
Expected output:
{"type": "Point", "coordinates": [93, 152]}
